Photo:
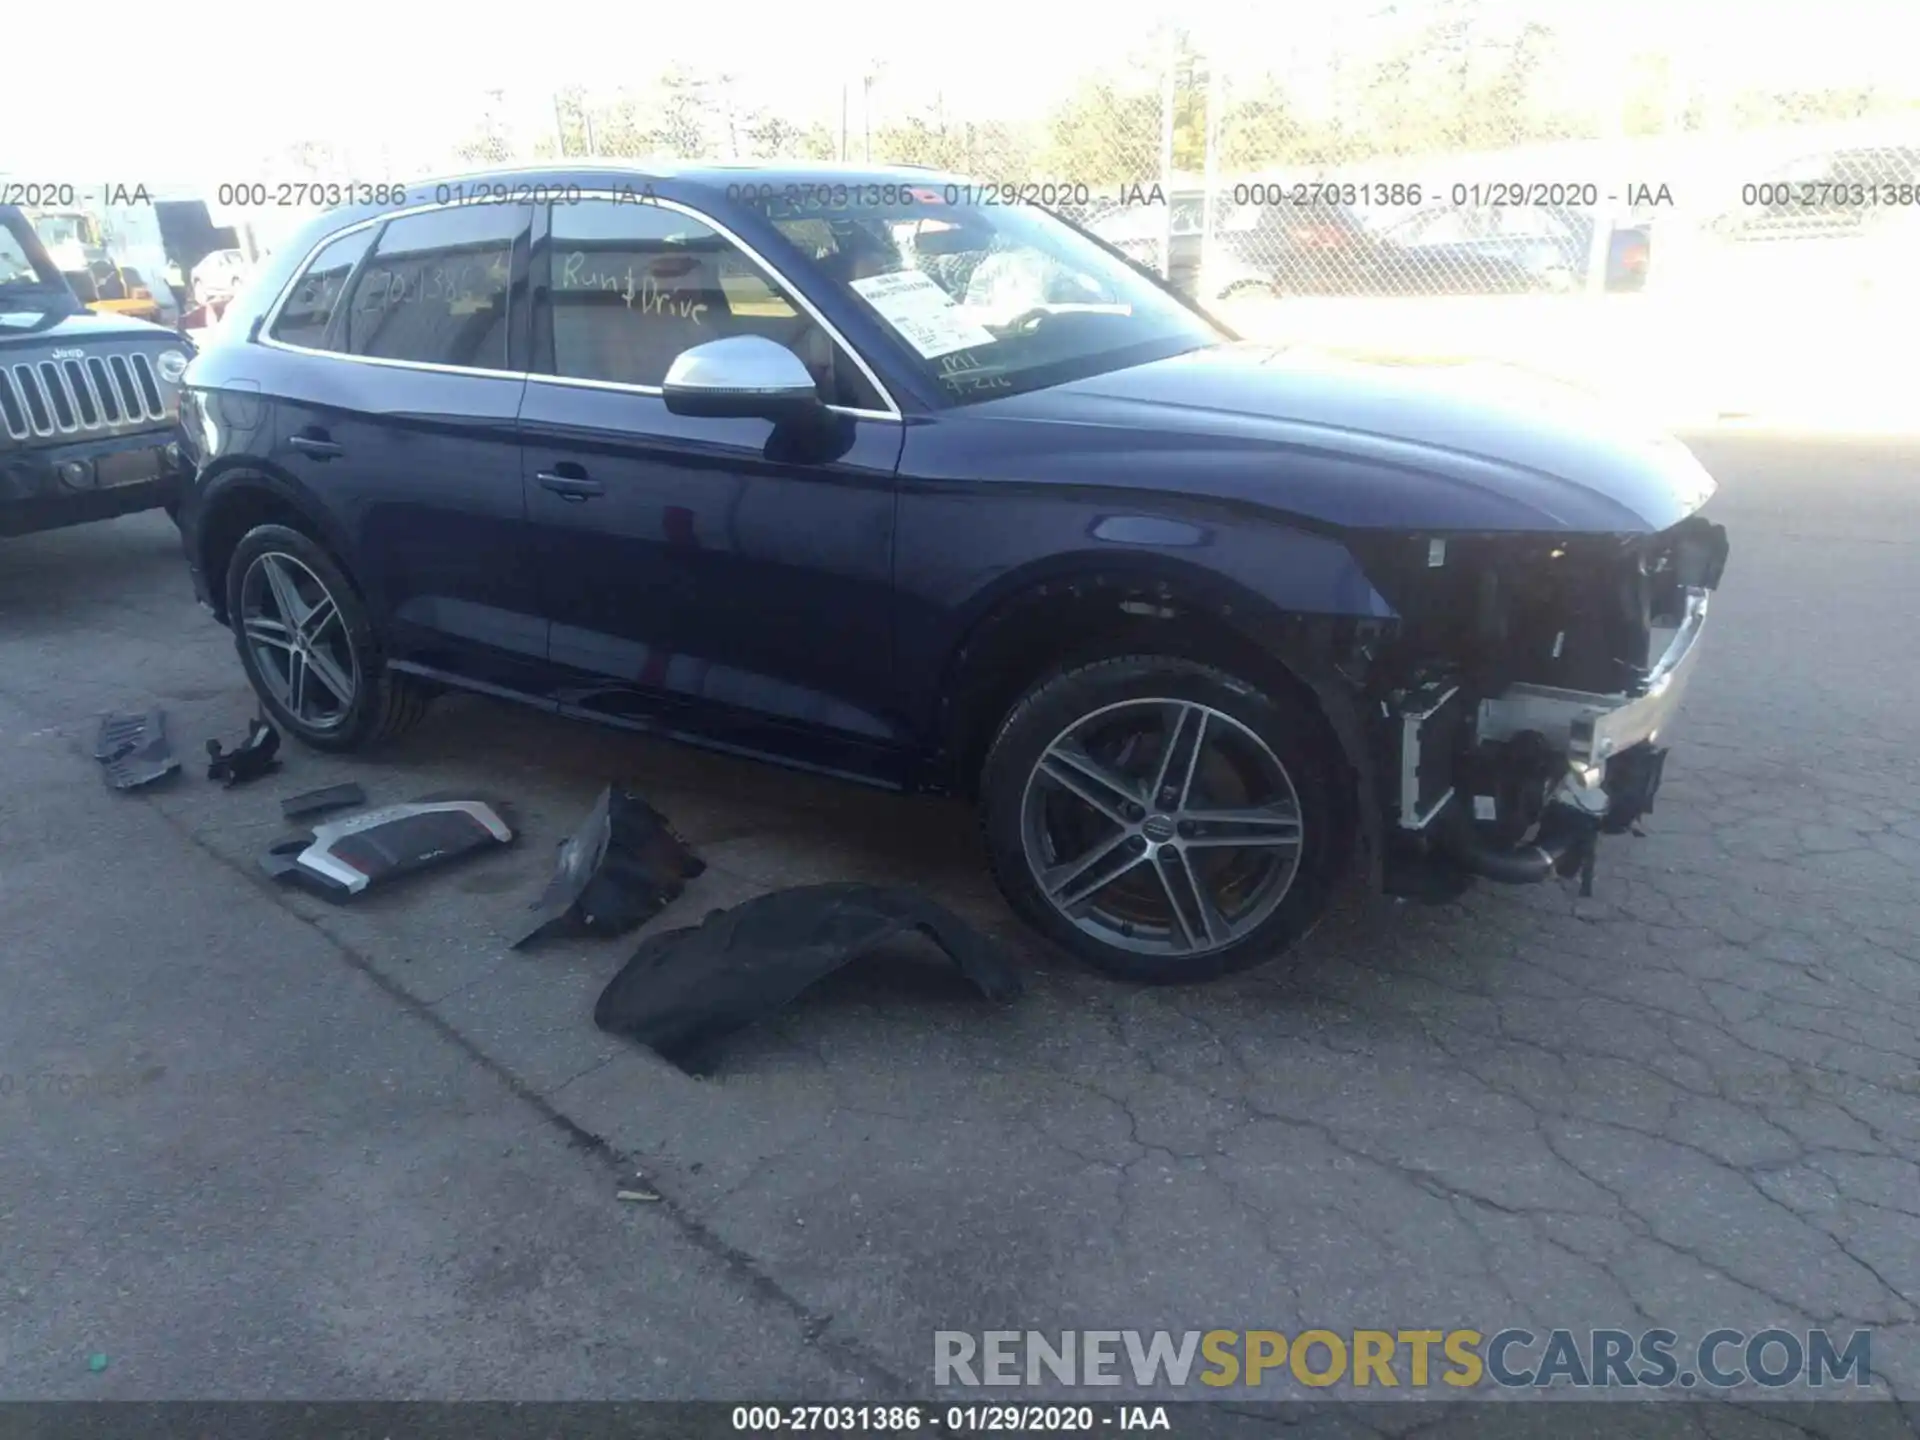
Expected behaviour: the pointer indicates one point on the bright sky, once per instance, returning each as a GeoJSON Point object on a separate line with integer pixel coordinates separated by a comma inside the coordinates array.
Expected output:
{"type": "Point", "coordinates": [379, 80]}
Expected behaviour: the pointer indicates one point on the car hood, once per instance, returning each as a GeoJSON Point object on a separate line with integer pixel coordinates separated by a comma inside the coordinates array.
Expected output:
{"type": "Point", "coordinates": [1381, 446]}
{"type": "Point", "coordinates": [18, 323]}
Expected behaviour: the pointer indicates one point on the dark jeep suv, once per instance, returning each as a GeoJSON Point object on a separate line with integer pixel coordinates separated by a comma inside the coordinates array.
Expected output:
{"type": "Point", "coordinates": [854, 471]}
{"type": "Point", "coordinates": [88, 403]}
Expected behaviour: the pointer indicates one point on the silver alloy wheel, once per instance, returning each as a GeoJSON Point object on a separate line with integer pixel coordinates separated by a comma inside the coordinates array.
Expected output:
{"type": "Point", "coordinates": [293, 627]}
{"type": "Point", "coordinates": [1161, 826]}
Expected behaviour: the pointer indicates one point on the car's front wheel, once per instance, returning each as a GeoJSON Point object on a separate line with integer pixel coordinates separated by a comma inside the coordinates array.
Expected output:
{"type": "Point", "coordinates": [308, 644]}
{"type": "Point", "coordinates": [1163, 820]}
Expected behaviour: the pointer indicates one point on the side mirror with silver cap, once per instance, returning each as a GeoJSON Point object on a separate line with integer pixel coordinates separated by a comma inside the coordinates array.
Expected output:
{"type": "Point", "coordinates": [742, 376]}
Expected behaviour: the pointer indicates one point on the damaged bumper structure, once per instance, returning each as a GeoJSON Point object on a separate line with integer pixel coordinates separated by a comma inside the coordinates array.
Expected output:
{"type": "Point", "coordinates": [1520, 709]}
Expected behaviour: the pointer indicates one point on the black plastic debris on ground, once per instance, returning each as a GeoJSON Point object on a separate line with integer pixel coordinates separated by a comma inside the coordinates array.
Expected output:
{"type": "Point", "coordinates": [344, 857]}
{"type": "Point", "coordinates": [134, 748]}
{"type": "Point", "coordinates": [623, 866]}
{"type": "Point", "coordinates": [249, 760]}
{"type": "Point", "coordinates": [687, 989]}
{"type": "Point", "coordinates": [319, 802]}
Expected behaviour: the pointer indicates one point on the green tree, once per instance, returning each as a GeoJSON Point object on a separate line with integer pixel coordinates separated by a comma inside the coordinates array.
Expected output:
{"type": "Point", "coordinates": [923, 139]}
{"type": "Point", "coordinates": [774, 137]}
{"type": "Point", "coordinates": [621, 127]}
{"type": "Point", "coordinates": [572, 131]}
{"type": "Point", "coordinates": [1459, 82]}
{"type": "Point", "coordinates": [1754, 109]}
{"type": "Point", "coordinates": [684, 113]}
{"type": "Point", "coordinates": [1192, 87]}
{"type": "Point", "coordinates": [491, 140]}
{"type": "Point", "coordinates": [1105, 133]}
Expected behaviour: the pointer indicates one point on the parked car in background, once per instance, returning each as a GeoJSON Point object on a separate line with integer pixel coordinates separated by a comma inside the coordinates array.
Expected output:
{"type": "Point", "coordinates": [1835, 219]}
{"type": "Point", "coordinates": [88, 402]}
{"type": "Point", "coordinates": [826, 466]}
{"type": "Point", "coordinates": [1324, 248]}
{"type": "Point", "coordinates": [1250, 250]}
{"type": "Point", "coordinates": [1462, 250]}
{"type": "Point", "coordinates": [1836, 194]}
{"type": "Point", "coordinates": [1313, 248]}
{"type": "Point", "coordinates": [1165, 238]}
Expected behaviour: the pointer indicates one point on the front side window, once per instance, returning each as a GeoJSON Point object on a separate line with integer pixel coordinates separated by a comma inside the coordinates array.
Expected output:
{"type": "Point", "coordinates": [308, 311]}
{"type": "Point", "coordinates": [435, 291]}
{"type": "Point", "coordinates": [631, 286]}
{"type": "Point", "coordinates": [988, 299]}
{"type": "Point", "coordinates": [25, 266]}
{"type": "Point", "coordinates": [16, 266]}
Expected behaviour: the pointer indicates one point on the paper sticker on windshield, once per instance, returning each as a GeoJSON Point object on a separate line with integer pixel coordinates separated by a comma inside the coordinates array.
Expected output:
{"type": "Point", "coordinates": [922, 312]}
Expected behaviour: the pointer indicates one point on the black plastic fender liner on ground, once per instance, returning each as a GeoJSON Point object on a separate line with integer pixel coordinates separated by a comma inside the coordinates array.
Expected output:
{"type": "Point", "coordinates": [685, 990]}
{"type": "Point", "coordinates": [134, 748]}
{"type": "Point", "coordinates": [623, 866]}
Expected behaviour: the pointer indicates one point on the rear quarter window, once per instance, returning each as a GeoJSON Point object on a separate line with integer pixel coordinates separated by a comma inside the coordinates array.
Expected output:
{"type": "Point", "coordinates": [310, 305]}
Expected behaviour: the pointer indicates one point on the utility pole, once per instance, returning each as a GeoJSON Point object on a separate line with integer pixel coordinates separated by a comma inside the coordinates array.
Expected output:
{"type": "Point", "coordinates": [1167, 91]}
{"type": "Point", "coordinates": [1612, 150]}
{"type": "Point", "coordinates": [866, 113]}
{"type": "Point", "coordinates": [1216, 108]}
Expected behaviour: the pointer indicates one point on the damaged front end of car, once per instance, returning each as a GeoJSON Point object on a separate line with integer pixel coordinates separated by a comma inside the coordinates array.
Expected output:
{"type": "Point", "coordinates": [1519, 704]}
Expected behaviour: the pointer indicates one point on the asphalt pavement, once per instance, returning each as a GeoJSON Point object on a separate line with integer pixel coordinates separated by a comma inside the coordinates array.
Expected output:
{"type": "Point", "coordinates": [256, 1146]}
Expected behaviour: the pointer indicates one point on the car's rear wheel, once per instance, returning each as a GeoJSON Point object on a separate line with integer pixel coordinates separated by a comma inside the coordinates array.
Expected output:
{"type": "Point", "coordinates": [1163, 820]}
{"type": "Point", "coordinates": [308, 644]}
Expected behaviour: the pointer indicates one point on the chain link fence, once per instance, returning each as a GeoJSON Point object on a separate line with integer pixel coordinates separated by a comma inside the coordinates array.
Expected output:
{"type": "Point", "coordinates": [1448, 148]}
{"type": "Point", "coordinates": [1468, 149]}
{"type": "Point", "coordinates": [1429, 148]}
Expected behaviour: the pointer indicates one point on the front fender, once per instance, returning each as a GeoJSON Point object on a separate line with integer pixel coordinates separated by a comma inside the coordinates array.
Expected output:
{"type": "Point", "coordinates": [966, 551]}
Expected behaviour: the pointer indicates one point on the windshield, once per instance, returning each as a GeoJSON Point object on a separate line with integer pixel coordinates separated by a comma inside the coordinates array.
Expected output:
{"type": "Point", "coordinates": [64, 229]}
{"type": "Point", "coordinates": [990, 299]}
{"type": "Point", "coordinates": [23, 264]}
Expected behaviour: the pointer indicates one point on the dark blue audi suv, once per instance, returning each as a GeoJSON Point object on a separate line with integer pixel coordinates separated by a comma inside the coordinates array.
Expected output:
{"type": "Point", "coordinates": [868, 472]}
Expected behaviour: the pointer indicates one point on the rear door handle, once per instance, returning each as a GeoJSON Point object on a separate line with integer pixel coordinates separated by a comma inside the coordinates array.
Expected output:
{"type": "Point", "coordinates": [570, 487]}
{"type": "Point", "coordinates": [315, 446]}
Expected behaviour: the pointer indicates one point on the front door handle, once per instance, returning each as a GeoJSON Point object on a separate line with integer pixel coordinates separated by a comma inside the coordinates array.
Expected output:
{"type": "Point", "coordinates": [574, 488]}
{"type": "Point", "coordinates": [317, 446]}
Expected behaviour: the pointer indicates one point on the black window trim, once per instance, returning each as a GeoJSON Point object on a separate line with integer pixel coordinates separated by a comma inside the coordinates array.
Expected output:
{"type": "Point", "coordinates": [786, 288]}
{"type": "Point", "coordinates": [299, 273]}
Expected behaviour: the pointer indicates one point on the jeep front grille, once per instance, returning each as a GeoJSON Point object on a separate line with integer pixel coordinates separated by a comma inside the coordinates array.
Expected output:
{"type": "Point", "coordinates": [44, 399]}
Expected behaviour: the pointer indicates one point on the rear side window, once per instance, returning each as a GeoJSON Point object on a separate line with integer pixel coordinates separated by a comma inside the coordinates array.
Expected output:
{"type": "Point", "coordinates": [436, 290]}
{"type": "Point", "coordinates": [303, 320]}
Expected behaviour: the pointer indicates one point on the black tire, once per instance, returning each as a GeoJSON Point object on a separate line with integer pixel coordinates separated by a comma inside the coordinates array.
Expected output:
{"type": "Point", "coordinates": [1291, 734]}
{"type": "Point", "coordinates": [384, 704]}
